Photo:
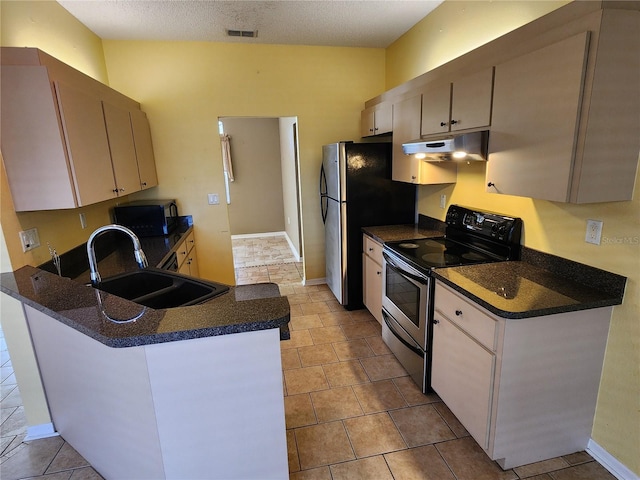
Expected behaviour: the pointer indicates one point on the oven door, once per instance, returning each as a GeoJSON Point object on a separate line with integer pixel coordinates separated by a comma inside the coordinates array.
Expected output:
{"type": "Point", "coordinates": [405, 296]}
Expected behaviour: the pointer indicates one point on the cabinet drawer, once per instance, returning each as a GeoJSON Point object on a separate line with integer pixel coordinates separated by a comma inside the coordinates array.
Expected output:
{"type": "Point", "coordinates": [185, 247]}
{"type": "Point", "coordinates": [466, 316]}
{"type": "Point", "coordinates": [372, 248]}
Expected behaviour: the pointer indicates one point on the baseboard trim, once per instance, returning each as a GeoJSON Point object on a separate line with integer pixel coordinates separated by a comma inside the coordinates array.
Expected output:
{"type": "Point", "coordinates": [293, 248]}
{"type": "Point", "coordinates": [44, 430]}
{"type": "Point", "coordinates": [315, 281]}
{"type": "Point", "coordinates": [254, 235]}
{"type": "Point", "coordinates": [608, 461]}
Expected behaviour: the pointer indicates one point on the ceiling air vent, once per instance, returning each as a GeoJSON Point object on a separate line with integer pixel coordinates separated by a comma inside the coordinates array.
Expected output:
{"type": "Point", "coordinates": [242, 33]}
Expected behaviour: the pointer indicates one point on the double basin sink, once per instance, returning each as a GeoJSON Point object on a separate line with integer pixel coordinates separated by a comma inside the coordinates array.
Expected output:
{"type": "Point", "coordinates": [159, 289]}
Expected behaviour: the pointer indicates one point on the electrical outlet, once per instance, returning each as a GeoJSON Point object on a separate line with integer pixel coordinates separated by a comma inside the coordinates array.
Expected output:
{"type": "Point", "coordinates": [443, 201]}
{"type": "Point", "coordinates": [213, 199]}
{"type": "Point", "coordinates": [594, 232]}
{"type": "Point", "coordinates": [29, 239]}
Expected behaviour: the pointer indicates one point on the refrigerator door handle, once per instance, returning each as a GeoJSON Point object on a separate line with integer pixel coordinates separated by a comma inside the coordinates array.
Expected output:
{"type": "Point", "coordinates": [323, 181]}
{"type": "Point", "coordinates": [324, 208]}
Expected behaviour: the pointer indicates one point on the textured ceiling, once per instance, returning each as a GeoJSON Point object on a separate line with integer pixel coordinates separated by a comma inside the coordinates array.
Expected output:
{"type": "Point", "coordinates": [356, 23]}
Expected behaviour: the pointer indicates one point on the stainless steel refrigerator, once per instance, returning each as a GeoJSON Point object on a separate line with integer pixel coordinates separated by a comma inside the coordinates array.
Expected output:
{"type": "Point", "coordinates": [356, 191]}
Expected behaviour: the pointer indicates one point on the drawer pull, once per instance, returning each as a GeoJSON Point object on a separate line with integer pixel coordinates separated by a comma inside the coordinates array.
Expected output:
{"type": "Point", "coordinates": [435, 322]}
{"type": "Point", "coordinates": [458, 312]}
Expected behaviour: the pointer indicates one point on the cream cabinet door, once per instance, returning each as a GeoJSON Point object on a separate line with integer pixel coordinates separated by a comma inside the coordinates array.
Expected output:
{"type": "Point", "coordinates": [144, 149]}
{"type": "Point", "coordinates": [406, 127]}
{"type": "Point", "coordinates": [122, 148]}
{"type": "Point", "coordinates": [536, 106]}
{"type": "Point", "coordinates": [87, 145]}
{"type": "Point", "coordinates": [376, 120]}
{"type": "Point", "coordinates": [32, 146]}
{"type": "Point", "coordinates": [471, 101]}
{"type": "Point", "coordinates": [462, 375]}
{"type": "Point", "coordinates": [436, 109]}
{"type": "Point", "coordinates": [372, 276]}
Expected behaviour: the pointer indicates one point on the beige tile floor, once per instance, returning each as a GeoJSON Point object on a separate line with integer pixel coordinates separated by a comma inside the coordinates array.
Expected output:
{"type": "Point", "coordinates": [351, 410]}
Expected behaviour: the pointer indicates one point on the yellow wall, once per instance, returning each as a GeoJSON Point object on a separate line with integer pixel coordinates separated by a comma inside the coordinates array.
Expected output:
{"type": "Point", "coordinates": [455, 28]}
{"type": "Point", "coordinates": [555, 228]}
{"type": "Point", "coordinates": [185, 86]}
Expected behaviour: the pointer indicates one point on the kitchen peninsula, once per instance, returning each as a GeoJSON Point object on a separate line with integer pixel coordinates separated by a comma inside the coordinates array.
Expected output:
{"type": "Point", "coordinates": [170, 394]}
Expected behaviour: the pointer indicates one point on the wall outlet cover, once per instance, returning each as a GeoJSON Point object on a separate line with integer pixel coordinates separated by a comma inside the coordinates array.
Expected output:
{"type": "Point", "coordinates": [594, 232]}
{"type": "Point", "coordinates": [29, 239]}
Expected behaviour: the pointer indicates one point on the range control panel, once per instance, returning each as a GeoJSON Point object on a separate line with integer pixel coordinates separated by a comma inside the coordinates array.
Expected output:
{"type": "Point", "coordinates": [487, 224]}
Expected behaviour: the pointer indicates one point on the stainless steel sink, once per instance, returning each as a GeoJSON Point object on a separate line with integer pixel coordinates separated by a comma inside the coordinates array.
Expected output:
{"type": "Point", "coordinates": [160, 288]}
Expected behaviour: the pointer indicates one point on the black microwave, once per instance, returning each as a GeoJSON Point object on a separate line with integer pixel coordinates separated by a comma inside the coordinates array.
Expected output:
{"type": "Point", "coordinates": [147, 218]}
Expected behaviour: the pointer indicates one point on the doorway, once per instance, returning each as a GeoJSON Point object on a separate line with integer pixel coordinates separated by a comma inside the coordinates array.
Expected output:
{"type": "Point", "coordinates": [263, 196]}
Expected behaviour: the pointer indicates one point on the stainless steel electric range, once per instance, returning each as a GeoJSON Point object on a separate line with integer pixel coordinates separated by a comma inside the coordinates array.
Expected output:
{"type": "Point", "coordinates": [471, 237]}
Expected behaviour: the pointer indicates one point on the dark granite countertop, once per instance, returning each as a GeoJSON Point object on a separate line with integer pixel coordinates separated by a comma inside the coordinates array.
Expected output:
{"type": "Point", "coordinates": [538, 284]}
{"type": "Point", "coordinates": [426, 227]}
{"type": "Point", "coordinates": [242, 309]}
{"type": "Point", "coordinates": [524, 289]}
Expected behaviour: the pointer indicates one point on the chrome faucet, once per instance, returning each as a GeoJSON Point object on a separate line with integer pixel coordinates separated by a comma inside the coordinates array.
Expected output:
{"type": "Point", "coordinates": [141, 259]}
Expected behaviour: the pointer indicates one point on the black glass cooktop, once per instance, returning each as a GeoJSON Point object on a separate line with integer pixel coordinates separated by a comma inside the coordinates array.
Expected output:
{"type": "Point", "coordinates": [427, 253]}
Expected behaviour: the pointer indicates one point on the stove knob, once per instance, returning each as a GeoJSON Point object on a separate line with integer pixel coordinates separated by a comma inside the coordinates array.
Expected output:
{"type": "Point", "coordinates": [502, 231]}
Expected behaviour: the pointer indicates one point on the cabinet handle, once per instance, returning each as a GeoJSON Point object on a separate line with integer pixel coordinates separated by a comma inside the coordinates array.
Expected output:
{"type": "Point", "coordinates": [378, 273]}
{"type": "Point", "coordinates": [370, 249]}
{"type": "Point", "coordinates": [453, 122]}
{"type": "Point", "coordinates": [435, 322]}
{"type": "Point", "coordinates": [458, 312]}
{"type": "Point", "coordinates": [144, 184]}
{"type": "Point", "coordinates": [491, 184]}
{"type": "Point", "coordinates": [443, 124]}
{"type": "Point", "coordinates": [413, 177]}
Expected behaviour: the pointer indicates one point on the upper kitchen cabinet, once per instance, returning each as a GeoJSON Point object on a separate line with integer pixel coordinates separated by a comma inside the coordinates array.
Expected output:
{"type": "Point", "coordinates": [407, 168]}
{"type": "Point", "coordinates": [134, 166]}
{"type": "Point", "coordinates": [67, 140]}
{"type": "Point", "coordinates": [376, 120]}
{"type": "Point", "coordinates": [566, 117]}
{"type": "Point", "coordinates": [144, 149]}
{"type": "Point", "coordinates": [462, 105]}
{"type": "Point", "coordinates": [122, 148]}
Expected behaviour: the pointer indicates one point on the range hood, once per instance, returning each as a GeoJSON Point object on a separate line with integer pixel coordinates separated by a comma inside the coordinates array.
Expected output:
{"type": "Point", "coordinates": [460, 147]}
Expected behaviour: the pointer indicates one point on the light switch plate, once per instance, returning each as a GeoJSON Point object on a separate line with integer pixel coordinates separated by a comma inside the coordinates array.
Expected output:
{"type": "Point", "coordinates": [213, 199]}
{"type": "Point", "coordinates": [594, 232]}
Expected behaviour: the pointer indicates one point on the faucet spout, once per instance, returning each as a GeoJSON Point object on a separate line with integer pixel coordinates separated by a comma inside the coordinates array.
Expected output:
{"type": "Point", "coordinates": [139, 255]}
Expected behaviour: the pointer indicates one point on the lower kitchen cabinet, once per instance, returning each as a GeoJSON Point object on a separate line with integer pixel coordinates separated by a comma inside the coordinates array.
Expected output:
{"type": "Point", "coordinates": [525, 389]}
{"type": "Point", "coordinates": [186, 253]}
{"type": "Point", "coordinates": [372, 276]}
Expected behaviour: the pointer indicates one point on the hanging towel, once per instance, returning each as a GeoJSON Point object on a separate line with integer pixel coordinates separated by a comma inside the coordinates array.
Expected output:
{"type": "Point", "coordinates": [225, 141]}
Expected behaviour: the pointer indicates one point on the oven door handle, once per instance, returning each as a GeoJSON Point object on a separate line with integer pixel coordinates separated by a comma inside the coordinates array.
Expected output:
{"type": "Point", "coordinates": [413, 348]}
{"type": "Point", "coordinates": [403, 271]}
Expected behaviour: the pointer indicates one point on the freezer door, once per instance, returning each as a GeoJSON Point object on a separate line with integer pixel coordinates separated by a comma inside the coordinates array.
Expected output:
{"type": "Point", "coordinates": [333, 171]}
{"type": "Point", "coordinates": [335, 249]}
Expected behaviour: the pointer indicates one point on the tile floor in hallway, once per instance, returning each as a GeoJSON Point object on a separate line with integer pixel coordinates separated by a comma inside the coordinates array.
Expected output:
{"type": "Point", "coordinates": [351, 411]}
